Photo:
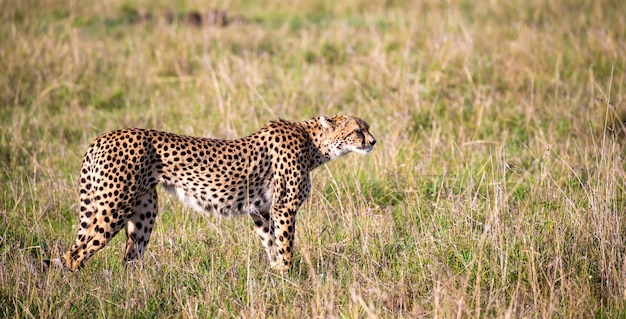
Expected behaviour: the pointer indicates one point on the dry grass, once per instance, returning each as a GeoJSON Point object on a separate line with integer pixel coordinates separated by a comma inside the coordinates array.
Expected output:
{"type": "Point", "coordinates": [496, 189]}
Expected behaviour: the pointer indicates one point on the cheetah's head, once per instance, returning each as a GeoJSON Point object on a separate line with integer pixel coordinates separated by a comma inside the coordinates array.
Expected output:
{"type": "Point", "coordinates": [344, 134]}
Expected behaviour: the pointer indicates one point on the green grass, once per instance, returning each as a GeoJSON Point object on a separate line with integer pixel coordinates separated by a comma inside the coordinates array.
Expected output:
{"type": "Point", "coordinates": [496, 188]}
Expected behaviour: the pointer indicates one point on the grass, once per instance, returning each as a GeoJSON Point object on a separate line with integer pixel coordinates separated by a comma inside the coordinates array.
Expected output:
{"type": "Point", "coordinates": [496, 188]}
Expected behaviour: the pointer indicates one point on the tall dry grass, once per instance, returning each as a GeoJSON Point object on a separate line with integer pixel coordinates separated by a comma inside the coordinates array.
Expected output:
{"type": "Point", "coordinates": [496, 188]}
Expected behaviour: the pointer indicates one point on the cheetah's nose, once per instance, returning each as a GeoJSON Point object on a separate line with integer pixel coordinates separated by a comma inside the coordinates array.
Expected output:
{"type": "Point", "coordinates": [373, 142]}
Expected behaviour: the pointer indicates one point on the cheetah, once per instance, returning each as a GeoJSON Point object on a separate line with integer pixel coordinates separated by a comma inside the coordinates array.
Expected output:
{"type": "Point", "coordinates": [264, 175]}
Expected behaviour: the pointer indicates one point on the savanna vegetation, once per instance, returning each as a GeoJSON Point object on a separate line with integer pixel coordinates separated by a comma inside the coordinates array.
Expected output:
{"type": "Point", "coordinates": [496, 188]}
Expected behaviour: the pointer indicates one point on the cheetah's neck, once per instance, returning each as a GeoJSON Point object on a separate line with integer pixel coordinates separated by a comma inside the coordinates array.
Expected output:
{"type": "Point", "coordinates": [319, 148]}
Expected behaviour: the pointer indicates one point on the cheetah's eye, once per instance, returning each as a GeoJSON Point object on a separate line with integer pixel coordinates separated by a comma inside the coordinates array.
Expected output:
{"type": "Point", "coordinates": [359, 133]}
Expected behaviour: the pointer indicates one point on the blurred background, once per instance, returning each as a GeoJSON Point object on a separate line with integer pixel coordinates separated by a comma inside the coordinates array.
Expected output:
{"type": "Point", "coordinates": [496, 188]}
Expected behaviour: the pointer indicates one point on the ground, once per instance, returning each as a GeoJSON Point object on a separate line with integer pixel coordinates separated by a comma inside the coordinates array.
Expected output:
{"type": "Point", "coordinates": [496, 188]}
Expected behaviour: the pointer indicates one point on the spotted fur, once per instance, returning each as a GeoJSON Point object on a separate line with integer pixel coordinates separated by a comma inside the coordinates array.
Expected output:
{"type": "Point", "coordinates": [264, 175]}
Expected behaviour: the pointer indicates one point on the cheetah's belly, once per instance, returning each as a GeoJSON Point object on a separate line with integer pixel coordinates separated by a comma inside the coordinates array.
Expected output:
{"type": "Point", "coordinates": [258, 201]}
{"type": "Point", "coordinates": [188, 201]}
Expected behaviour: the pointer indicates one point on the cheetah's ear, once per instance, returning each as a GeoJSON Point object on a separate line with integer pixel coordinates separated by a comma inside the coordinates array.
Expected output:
{"type": "Point", "coordinates": [326, 122]}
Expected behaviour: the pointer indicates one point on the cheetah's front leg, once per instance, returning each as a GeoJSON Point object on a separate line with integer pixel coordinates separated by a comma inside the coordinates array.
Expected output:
{"type": "Point", "coordinates": [284, 221]}
{"type": "Point", "coordinates": [276, 231]}
{"type": "Point", "coordinates": [265, 229]}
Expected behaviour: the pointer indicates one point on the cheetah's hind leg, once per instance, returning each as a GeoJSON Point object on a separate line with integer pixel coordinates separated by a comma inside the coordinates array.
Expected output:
{"type": "Point", "coordinates": [99, 223]}
{"type": "Point", "coordinates": [140, 225]}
